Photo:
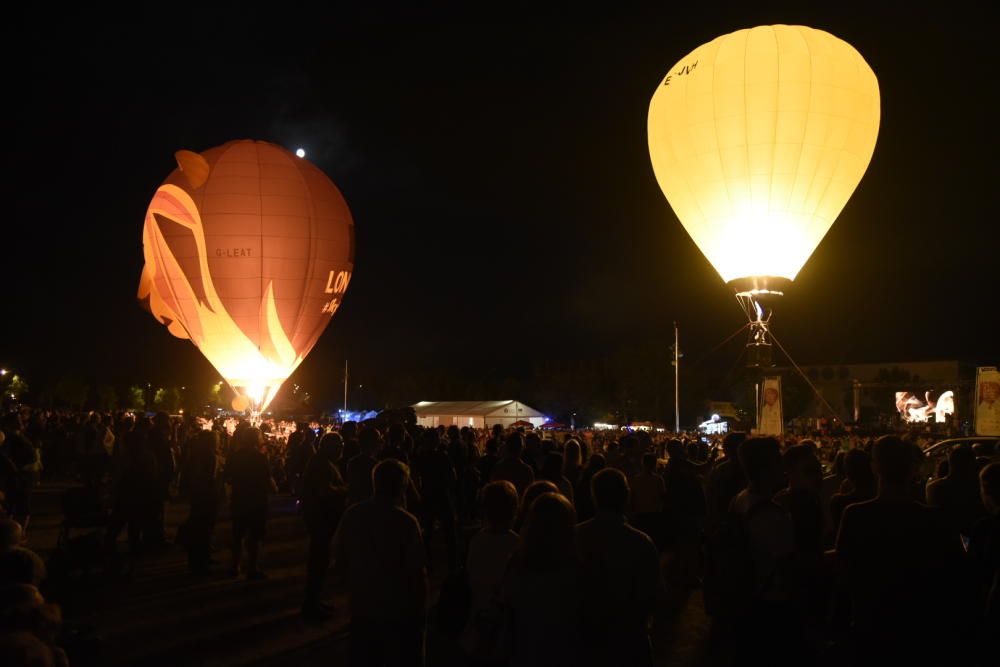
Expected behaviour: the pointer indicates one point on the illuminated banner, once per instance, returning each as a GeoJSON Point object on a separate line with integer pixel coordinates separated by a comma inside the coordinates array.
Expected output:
{"type": "Point", "coordinates": [987, 401]}
{"type": "Point", "coordinates": [914, 410]}
{"type": "Point", "coordinates": [770, 420]}
{"type": "Point", "coordinates": [714, 426]}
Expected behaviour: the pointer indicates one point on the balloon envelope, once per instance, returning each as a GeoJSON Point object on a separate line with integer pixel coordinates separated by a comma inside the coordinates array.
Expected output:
{"type": "Point", "coordinates": [758, 138]}
{"type": "Point", "coordinates": [249, 251]}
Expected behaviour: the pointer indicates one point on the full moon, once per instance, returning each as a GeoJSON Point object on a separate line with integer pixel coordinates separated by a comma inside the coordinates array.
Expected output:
{"type": "Point", "coordinates": [300, 152]}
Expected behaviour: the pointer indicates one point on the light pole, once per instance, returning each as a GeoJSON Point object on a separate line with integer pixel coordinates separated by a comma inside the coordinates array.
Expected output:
{"type": "Point", "coordinates": [677, 380]}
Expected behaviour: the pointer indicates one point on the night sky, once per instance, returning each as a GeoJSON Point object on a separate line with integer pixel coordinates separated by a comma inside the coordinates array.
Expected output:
{"type": "Point", "coordinates": [497, 169]}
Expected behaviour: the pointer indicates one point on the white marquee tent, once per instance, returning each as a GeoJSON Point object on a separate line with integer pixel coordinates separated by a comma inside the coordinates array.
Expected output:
{"type": "Point", "coordinates": [478, 414]}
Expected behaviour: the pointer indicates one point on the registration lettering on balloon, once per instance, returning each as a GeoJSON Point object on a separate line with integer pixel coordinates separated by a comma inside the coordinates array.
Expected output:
{"type": "Point", "coordinates": [681, 71]}
{"type": "Point", "coordinates": [234, 252]}
{"type": "Point", "coordinates": [282, 242]}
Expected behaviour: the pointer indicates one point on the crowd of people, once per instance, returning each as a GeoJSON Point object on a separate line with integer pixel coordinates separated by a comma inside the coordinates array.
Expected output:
{"type": "Point", "coordinates": [554, 550]}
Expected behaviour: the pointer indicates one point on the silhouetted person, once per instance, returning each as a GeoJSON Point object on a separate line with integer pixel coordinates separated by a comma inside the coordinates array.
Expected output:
{"type": "Point", "coordinates": [534, 490]}
{"type": "Point", "coordinates": [544, 588]}
{"type": "Point", "coordinates": [136, 496]}
{"type": "Point", "coordinates": [533, 454]}
{"type": "Point", "coordinates": [684, 512]}
{"type": "Point", "coordinates": [456, 449]}
{"type": "Point", "coordinates": [203, 487]}
{"type": "Point", "coordinates": [160, 441]}
{"type": "Point", "coordinates": [801, 499]}
{"type": "Point", "coordinates": [572, 457]}
{"type": "Point", "coordinates": [323, 502]}
{"type": "Point", "coordinates": [359, 468]}
{"type": "Point", "coordinates": [489, 555]}
{"type": "Point", "coordinates": [23, 458]}
{"type": "Point", "coordinates": [489, 459]}
{"type": "Point", "coordinates": [18, 565]}
{"type": "Point", "coordinates": [248, 473]}
{"type": "Point", "coordinates": [552, 471]}
{"type": "Point", "coordinates": [891, 548]}
{"type": "Point", "coordinates": [725, 480]}
{"type": "Point", "coordinates": [28, 629]}
{"type": "Point", "coordinates": [629, 460]}
{"type": "Point", "coordinates": [622, 569]}
{"type": "Point", "coordinates": [469, 482]}
{"type": "Point", "coordinates": [379, 552]}
{"type": "Point", "coordinates": [297, 454]}
{"type": "Point", "coordinates": [771, 543]}
{"type": "Point", "coordinates": [24, 649]}
{"type": "Point", "coordinates": [646, 497]}
{"type": "Point", "coordinates": [984, 558]}
{"type": "Point", "coordinates": [582, 499]}
{"type": "Point", "coordinates": [510, 466]}
{"type": "Point", "coordinates": [958, 493]}
{"type": "Point", "coordinates": [395, 446]}
{"type": "Point", "coordinates": [349, 432]}
{"type": "Point", "coordinates": [92, 455]}
{"type": "Point", "coordinates": [437, 481]}
{"type": "Point", "coordinates": [832, 485]}
{"type": "Point", "coordinates": [861, 485]}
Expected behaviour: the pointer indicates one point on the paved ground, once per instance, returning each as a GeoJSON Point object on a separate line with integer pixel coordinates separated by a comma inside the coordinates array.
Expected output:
{"type": "Point", "coordinates": [165, 616]}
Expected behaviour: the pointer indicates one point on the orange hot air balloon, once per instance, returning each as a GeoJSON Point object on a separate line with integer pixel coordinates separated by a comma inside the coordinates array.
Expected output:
{"type": "Point", "coordinates": [249, 251]}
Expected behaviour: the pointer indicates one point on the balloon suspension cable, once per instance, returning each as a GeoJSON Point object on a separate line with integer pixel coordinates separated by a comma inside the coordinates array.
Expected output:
{"type": "Point", "coordinates": [806, 378]}
{"type": "Point", "coordinates": [719, 346]}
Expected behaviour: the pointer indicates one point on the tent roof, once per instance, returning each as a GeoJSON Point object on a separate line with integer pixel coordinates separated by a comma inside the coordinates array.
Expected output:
{"type": "Point", "coordinates": [478, 408]}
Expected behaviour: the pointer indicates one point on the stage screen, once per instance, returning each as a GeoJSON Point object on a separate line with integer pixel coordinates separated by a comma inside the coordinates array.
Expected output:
{"type": "Point", "coordinates": [931, 406]}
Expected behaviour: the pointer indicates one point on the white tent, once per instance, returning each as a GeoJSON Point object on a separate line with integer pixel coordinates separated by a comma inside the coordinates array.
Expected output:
{"type": "Point", "coordinates": [478, 414]}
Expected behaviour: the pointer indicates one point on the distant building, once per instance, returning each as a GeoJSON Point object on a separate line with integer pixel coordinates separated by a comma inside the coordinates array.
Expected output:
{"type": "Point", "coordinates": [477, 414]}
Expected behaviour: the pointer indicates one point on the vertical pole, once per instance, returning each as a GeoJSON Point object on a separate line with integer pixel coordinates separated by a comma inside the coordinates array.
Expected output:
{"type": "Point", "coordinates": [857, 401]}
{"type": "Point", "coordinates": [756, 405]}
{"type": "Point", "coordinates": [344, 418]}
{"type": "Point", "coordinates": [677, 381]}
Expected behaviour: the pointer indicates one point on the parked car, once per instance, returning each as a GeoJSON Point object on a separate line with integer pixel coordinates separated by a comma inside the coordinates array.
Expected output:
{"type": "Point", "coordinates": [985, 447]}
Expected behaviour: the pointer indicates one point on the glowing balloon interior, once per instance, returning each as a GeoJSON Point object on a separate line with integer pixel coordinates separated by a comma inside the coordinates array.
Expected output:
{"type": "Point", "coordinates": [758, 138]}
{"type": "Point", "coordinates": [249, 251]}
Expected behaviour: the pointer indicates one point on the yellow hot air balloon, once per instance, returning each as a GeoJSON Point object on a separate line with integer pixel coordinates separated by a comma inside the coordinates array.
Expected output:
{"type": "Point", "coordinates": [758, 138]}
